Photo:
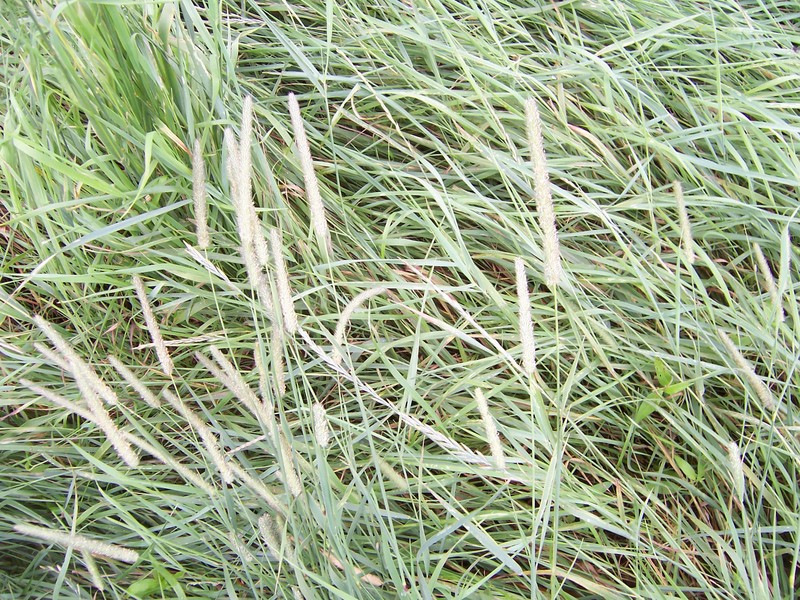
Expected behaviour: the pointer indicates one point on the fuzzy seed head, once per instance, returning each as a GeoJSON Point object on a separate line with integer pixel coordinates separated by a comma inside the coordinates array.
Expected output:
{"type": "Point", "coordinates": [392, 475]}
{"type": "Point", "coordinates": [290, 477]}
{"type": "Point", "coordinates": [199, 196]}
{"type": "Point", "coordinates": [94, 571]}
{"type": "Point", "coordinates": [136, 383]}
{"type": "Point", "coordinates": [491, 430]}
{"type": "Point", "coordinates": [282, 279]}
{"type": "Point", "coordinates": [736, 466]}
{"type": "Point", "coordinates": [79, 542]}
{"type": "Point", "coordinates": [321, 430]}
{"type": "Point", "coordinates": [319, 220]}
{"type": "Point", "coordinates": [769, 281]}
{"type": "Point", "coordinates": [543, 196]}
{"type": "Point", "coordinates": [269, 533]}
{"type": "Point", "coordinates": [278, 366]}
{"type": "Point", "coordinates": [749, 372]}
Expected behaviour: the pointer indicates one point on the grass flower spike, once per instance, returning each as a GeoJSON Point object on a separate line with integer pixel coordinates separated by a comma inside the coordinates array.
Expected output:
{"type": "Point", "coordinates": [391, 474]}
{"type": "Point", "coordinates": [319, 220]}
{"type": "Point", "coordinates": [208, 438]}
{"type": "Point", "coordinates": [94, 571]}
{"type": "Point", "coordinates": [491, 430]}
{"type": "Point", "coordinates": [141, 389]}
{"type": "Point", "coordinates": [290, 477]}
{"type": "Point", "coordinates": [251, 241]}
{"type": "Point", "coordinates": [199, 196]}
{"type": "Point", "coordinates": [736, 467]}
{"type": "Point", "coordinates": [79, 542]}
{"type": "Point", "coordinates": [245, 187]}
{"type": "Point", "coordinates": [321, 431]}
{"type": "Point", "coordinates": [769, 281]}
{"type": "Point", "coordinates": [544, 199]}
{"type": "Point", "coordinates": [284, 287]}
{"type": "Point", "coordinates": [749, 372]}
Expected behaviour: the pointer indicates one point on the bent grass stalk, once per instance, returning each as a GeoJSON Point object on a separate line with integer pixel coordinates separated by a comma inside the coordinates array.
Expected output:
{"type": "Point", "coordinates": [152, 327]}
{"type": "Point", "coordinates": [687, 240]}
{"type": "Point", "coordinates": [208, 438]}
{"type": "Point", "coordinates": [347, 313]}
{"type": "Point", "coordinates": [525, 320]}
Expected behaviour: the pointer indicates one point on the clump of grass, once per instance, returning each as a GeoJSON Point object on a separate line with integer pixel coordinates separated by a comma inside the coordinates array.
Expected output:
{"type": "Point", "coordinates": [615, 475]}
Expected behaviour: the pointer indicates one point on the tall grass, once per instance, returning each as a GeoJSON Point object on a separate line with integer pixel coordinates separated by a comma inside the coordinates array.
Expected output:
{"type": "Point", "coordinates": [355, 411]}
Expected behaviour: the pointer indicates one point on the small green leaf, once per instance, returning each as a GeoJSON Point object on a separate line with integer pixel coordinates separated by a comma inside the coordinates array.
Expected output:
{"type": "Point", "coordinates": [158, 582]}
{"type": "Point", "coordinates": [686, 468]}
{"type": "Point", "coordinates": [646, 407]}
{"type": "Point", "coordinates": [144, 587]}
{"type": "Point", "coordinates": [676, 387]}
{"type": "Point", "coordinates": [663, 375]}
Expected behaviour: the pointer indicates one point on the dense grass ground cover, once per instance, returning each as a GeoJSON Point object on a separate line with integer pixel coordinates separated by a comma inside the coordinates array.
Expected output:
{"type": "Point", "coordinates": [652, 453]}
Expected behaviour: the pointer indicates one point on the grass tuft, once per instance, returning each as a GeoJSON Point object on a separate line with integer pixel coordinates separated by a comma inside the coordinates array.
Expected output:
{"type": "Point", "coordinates": [300, 409]}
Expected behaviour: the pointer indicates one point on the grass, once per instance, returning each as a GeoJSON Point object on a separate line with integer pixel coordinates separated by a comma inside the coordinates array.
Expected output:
{"type": "Point", "coordinates": [653, 451]}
